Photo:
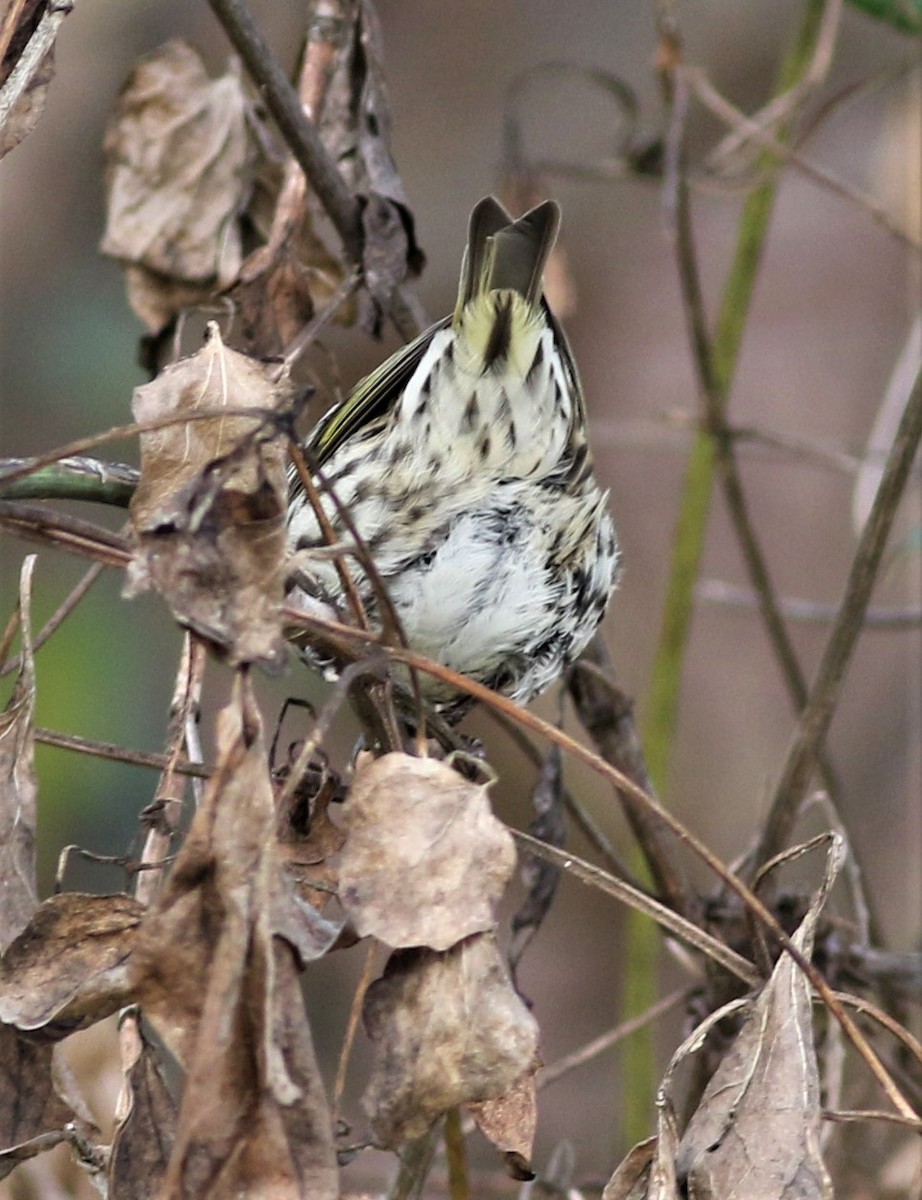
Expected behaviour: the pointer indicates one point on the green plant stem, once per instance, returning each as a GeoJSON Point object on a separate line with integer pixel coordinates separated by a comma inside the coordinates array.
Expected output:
{"type": "Point", "coordinates": [662, 705]}
{"type": "Point", "coordinates": [717, 357]}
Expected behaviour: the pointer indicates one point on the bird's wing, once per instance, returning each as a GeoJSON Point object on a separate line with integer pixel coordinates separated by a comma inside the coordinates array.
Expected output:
{"type": "Point", "coordinates": [372, 398]}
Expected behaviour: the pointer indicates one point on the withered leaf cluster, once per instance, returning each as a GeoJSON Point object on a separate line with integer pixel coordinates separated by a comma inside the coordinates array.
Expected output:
{"type": "Point", "coordinates": [192, 185]}
{"type": "Point", "coordinates": [208, 516]}
{"type": "Point", "coordinates": [207, 209]}
{"type": "Point", "coordinates": [755, 1132]}
{"type": "Point", "coordinates": [422, 868]}
{"type": "Point", "coordinates": [212, 965]}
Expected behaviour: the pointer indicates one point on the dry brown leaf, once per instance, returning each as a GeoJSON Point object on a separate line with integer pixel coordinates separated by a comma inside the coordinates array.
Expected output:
{"type": "Point", "coordinates": [180, 167]}
{"type": "Point", "coordinates": [281, 287]}
{"type": "Point", "coordinates": [310, 861]}
{"type": "Point", "coordinates": [632, 1175]}
{"type": "Point", "coordinates": [18, 896]}
{"type": "Point", "coordinates": [425, 860]}
{"type": "Point", "coordinates": [208, 516]}
{"type": "Point", "coordinates": [355, 124]}
{"type": "Point", "coordinates": [143, 1137]}
{"type": "Point", "coordinates": [29, 1103]}
{"type": "Point", "coordinates": [223, 992]}
{"type": "Point", "coordinates": [756, 1132]}
{"type": "Point", "coordinates": [22, 118]}
{"type": "Point", "coordinates": [68, 967]}
{"type": "Point", "coordinates": [509, 1122]}
{"type": "Point", "coordinates": [447, 1029]}
{"type": "Point", "coordinates": [32, 1108]}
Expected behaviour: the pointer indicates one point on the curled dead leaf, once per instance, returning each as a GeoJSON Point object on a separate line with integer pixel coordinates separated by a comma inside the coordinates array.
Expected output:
{"type": "Point", "coordinates": [208, 516]}
{"type": "Point", "coordinates": [509, 1122]}
{"type": "Point", "coordinates": [180, 164]}
{"type": "Point", "coordinates": [756, 1129]}
{"type": "Point", "coordinates": [425, 860]}
{"type": "Point", "coordinates": [146, 1127]}
{"type": "Point", "coordinates": [447, 1029]}
{"type": "Point", "coordinates": [632, 1175]}
{"type": "Point", "coordinates": [223, 992]}
{"type": "Point", "coordinates": [18, 896]}
{"type": "Point", "coordinates": [68, 967]}
{"type": "Point", "coordinates": [29, 54]}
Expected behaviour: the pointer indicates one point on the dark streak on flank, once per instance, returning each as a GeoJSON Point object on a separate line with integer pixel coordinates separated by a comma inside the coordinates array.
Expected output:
{"type": "Point", "coordinates": [536, 364]}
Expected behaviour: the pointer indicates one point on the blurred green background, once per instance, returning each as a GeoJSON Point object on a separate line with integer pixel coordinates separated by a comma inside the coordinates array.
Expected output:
{"type": "Point", "coordinates": [833, 305]}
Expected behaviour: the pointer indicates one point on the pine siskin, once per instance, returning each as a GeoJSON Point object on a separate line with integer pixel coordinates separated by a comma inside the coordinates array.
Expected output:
{"type": "Point", "coordinates": [464, 463]}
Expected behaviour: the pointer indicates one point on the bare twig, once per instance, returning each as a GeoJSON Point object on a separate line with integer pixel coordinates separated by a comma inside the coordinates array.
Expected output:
{"type": "Point", "coordinates": [687, 932]}
{"type": "Point", "coordinates": [162, 815]}
{"type": "Point", "coordinates": [871, 1114]}
{"type": "Point", "coordinates": [575, 809]}
{"type": "Point", "coordinates": [299, 132]}
{"type": "Point", "coordinates": [717, 104]}
{"type": "Point", "coordinates": [714, 381]}
{"type": "Point", "coordinates": [589, 1051]}
{"type": "Point", "coordinates": [68, 479]}
{"type": "Point", "coordinates": [319, 322]}
{"type": "Point", "coordinates": [8, 26]}
{"type": "Point", "coordinates": [134, 758]}
{"type": "Point", "coordinates": [28, 466]}
{"type": "Point", "coordinates": [33, 523]}
{"type": "Point", "coordinates": [608, 717]}
{"type": "Point", "coordinates": [896, 618]}
{"type": "Point", "coordinates": [61, 613]}
{"type": "Point", "coordinates": [824, 694]}
{"type": "Point", "coordinates": [735, 884]}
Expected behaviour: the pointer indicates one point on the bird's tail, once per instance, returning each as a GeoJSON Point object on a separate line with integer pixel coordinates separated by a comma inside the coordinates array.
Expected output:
{"type": "Point", "coordinates": [504, 254]}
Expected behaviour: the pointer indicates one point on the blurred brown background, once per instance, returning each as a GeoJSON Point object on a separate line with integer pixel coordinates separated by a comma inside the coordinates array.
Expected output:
{"type": "Point", "coordinates": [833, 306]}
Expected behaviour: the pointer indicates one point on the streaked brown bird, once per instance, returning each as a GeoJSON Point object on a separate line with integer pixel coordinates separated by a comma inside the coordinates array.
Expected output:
{"type": "Point", "coordinates": [464, 462]}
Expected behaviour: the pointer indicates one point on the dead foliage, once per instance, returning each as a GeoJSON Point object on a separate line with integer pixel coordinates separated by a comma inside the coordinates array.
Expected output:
{"type": "Point", "coordinates": [221, 204]}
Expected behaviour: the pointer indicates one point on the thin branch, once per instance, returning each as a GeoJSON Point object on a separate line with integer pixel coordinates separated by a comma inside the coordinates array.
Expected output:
{"type": "Point", "coordinates": [740, 967]}
{"type": "Point", "coordinates": [61, 613]}
{"type": "Point", "coordinates": [28, 466]}
{"type": "Point", "coordinates": [692, 935]}
{"type": "Point", "coordinates": [607, 716]}
{"type": "Point", "coordinates": [824, 694]}
{"type": "Point", "coordinates": [531, 721]}
{"type": "Point", "coordinates": [716, 591]}
{"type": "Point", "coordinates": [722, 108]}
{"type": "Point", "coordinates": [33, 523]}
{"type": "Point", "coordinates": [162, 815]}
{"type": "Point", "coordinates": [108, 750]}
{"type": "Point", "coordinates": [606, 1041]}
{"type": "Point", "coordinates": [300, 133]}
{"type": "Point", "coordinates": [68, 479]}
{"type": "Point", "coordinates": [871, 1114]}
{"type": "Point", "coordinates": [584, 822]}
